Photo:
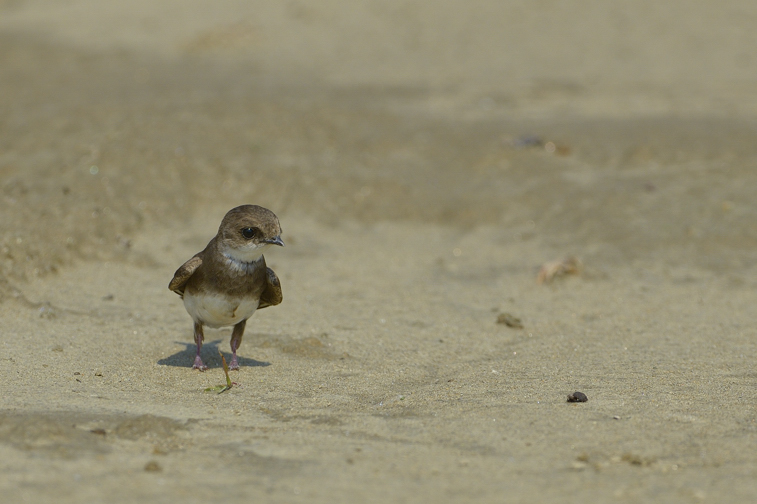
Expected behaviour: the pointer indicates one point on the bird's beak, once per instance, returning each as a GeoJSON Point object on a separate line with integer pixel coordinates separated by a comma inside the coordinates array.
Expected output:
{"type": "Point", "coordinates": [276, 240]}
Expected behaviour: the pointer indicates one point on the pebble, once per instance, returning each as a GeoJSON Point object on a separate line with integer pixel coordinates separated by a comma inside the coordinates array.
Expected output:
{"type": "Point", "coordinates": [577, 397]}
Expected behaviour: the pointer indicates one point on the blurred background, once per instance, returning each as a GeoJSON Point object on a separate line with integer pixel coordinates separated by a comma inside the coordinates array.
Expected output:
{"type": "Point", "coordinates": [619, 130]}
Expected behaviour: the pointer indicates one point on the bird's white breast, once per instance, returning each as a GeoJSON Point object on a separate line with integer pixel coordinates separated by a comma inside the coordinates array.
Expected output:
{"type": "Point", "coordinates": [217, 310]}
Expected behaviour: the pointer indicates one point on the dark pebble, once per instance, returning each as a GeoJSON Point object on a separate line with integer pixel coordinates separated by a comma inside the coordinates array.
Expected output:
{"type": "Point", "coordinates": [577, 397]}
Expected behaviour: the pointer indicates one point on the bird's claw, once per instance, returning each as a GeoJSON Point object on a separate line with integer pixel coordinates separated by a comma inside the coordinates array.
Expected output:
{"type": "Point", "coordinates": [234, 365]}
{"type": "Point", "coordinates": [199, 364]}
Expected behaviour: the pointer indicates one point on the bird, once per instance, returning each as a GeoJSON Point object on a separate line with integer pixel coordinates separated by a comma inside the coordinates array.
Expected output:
{"type": "Point", "coordinates": [227, 281]}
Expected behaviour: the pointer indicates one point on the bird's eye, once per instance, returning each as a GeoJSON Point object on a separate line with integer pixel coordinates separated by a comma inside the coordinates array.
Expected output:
{"type": "Point", "coordinates": [249, 232]}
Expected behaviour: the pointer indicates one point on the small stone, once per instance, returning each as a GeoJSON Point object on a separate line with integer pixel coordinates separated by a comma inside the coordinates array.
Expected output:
{"type": "Point", "coordinates": [509, 321]}
{"type": "Point", "coordinates": [577, 397]}
{"type": "Point", "coordinates": [153, 466]}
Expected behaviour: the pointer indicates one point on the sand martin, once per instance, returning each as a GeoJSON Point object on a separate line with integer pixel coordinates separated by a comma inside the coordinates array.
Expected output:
{"type": "Point", "coordinates": [225, 283]}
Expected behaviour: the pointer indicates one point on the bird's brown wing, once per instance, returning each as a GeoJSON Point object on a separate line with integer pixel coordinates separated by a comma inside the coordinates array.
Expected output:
{"type": "Point", "coordinates": [182, 275]}
{"type": "Point", "coordinates": [271, 296]}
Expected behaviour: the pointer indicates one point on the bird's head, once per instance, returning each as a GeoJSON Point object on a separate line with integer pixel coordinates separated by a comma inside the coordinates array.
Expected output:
{"type": "Point", "coordinates": [246, 231]}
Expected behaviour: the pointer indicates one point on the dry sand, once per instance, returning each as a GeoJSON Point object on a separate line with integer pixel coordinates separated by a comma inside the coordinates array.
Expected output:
{"type": "Point", "coordinates": [425, 158]}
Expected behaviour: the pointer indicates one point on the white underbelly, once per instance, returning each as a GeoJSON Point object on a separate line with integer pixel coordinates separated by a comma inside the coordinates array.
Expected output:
{"type": "Point", "coordinates": [218, 311]}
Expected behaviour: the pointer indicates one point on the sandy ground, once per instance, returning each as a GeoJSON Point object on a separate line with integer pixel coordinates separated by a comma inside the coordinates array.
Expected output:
{"type": "Point", "coordinates": [425, 158]}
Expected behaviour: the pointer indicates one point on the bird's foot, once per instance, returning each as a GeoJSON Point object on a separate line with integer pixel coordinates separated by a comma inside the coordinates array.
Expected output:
{"type": "Point", "coordinates": [199, 364]}
{"type": "Point", "coordinates": [234, 365]}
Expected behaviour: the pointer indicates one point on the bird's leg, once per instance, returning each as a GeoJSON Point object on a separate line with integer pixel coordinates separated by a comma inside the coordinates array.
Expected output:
{"type": "Point", "coordinates": [236, 340]}
{"type": "Point", "coordinates": [199, 338]}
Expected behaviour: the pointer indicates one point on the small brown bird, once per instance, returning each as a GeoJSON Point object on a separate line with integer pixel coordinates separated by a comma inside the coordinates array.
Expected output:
{"type": "Point", "coordinates": [225, 283]}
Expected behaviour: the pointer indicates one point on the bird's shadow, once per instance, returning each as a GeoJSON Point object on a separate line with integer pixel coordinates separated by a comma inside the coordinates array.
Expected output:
{"type": "Point", "coordinates": [209, 354]}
